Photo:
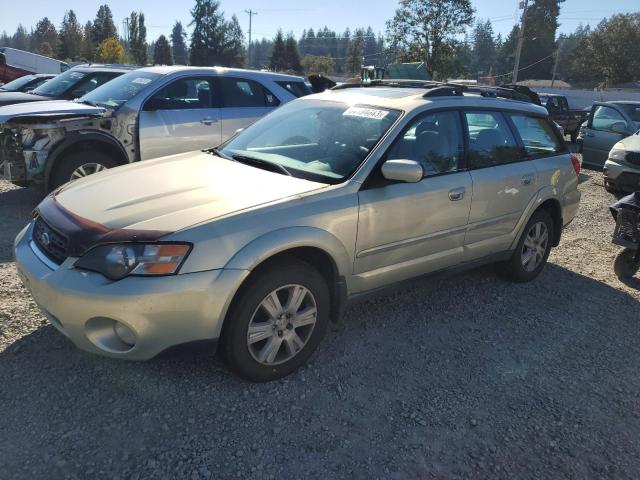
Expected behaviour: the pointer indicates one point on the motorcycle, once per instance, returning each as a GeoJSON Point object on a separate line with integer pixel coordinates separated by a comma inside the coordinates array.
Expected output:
{"type": "Point", "coordinates": [626, 213]}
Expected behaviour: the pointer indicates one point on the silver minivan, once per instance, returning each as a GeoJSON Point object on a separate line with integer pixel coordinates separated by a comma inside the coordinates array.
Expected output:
{"type": "Point", "coordinates": [147, 113]}
{"type": "Point", "coordinates": [260, 243]}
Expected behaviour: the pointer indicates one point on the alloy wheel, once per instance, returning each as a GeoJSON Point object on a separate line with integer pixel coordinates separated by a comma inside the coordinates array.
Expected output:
{"type": "Point", "coordinates": [87, 169]}
{"type": "Point", "coordinates": [282, 325]}
{"type": "Point", "coordinates": [535, 246]}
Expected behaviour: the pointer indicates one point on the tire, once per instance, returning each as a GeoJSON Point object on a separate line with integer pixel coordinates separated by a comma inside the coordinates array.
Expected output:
{"type": "Point", "coordinates": [68, 164]}
{"type": "Point", "coordinates": [244, 354]}
{"type": "Point", "coordinates": [574, 136]}
{"type": "Point", "coordinates": [624, 265]}
{"type": "Point", "coordinates": [516, 268]}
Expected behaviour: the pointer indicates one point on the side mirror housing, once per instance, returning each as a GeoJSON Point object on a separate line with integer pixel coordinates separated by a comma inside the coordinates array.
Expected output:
{"type": "Point", "coordinates": [620, 127]}
{"type": "Point", "coordinates": [78, 93]}
{"type": "Point", "coordinates": [408, 171]}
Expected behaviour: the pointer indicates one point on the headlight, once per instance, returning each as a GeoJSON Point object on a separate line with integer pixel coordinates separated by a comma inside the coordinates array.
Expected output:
{"type": "Point", "coordinates": [118, 261]}
{"type": "Point", "coordinates": [618, 152]}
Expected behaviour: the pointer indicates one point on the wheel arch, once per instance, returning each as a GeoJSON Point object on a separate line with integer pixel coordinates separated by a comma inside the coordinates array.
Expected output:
{"type": "Point", "coordinates": [79, 141]}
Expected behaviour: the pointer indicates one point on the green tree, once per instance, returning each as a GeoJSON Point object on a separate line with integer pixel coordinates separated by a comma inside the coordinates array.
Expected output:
{"type": "Point", "coordinates": [70, 37]}
{"type": "Point", "coordinates": [291, 54]}
{"type": "Point", "coordinates": [110, 51]}
{"type": "Point", "coordinates": [505, 56]}
{"type": "Point", "coordinates": [426, 30]}
{"type": "Point", "coordinates": [5, 39]}
{"type": "Point", "coordinates": [138, 38]}
{"type": "Point", "coordinates": [21, 39]}
{"type": "Point", "coordinates": [484, 48]}
{"type": "Point", "coordinates": [355, 51]}
{"type": "Point", "coordinates": [162, 52]}
{"type": "Point", "coordinates": [103, 26]}
{"type": "Point", "coordinates": [208, 36]}
{"type": "Point", "coordinates": [233, 52]}
{"type": "Point", "coordinates": [88, 47]}
{"type": "Point", "coordinates": [278, 61]}
{"type": "Point", "coordinates": [179, 44]}
{"type": "Point", "coordinates": [313, 65]}
{"type": "Point", "coordinates": [45, 33]}
{"type": "Point", "coordinates": [539, 43]}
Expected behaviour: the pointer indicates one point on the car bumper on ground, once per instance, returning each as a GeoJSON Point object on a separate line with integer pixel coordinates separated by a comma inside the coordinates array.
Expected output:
{"type": "Point", "coordinates": [134, 318]}
{"type": "Point", "coordinates": [620, 177]}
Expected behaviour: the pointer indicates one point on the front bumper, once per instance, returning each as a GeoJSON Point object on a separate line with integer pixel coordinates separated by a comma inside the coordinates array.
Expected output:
{"type": "Point", "coordinates": [162, 312]}
{"type": "Point", "coordinates": [620, 177]}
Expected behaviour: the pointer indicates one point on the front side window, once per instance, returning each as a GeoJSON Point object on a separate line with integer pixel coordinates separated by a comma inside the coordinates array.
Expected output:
{"type": "Point", "coordinates": [325, 141]}
{"type": "Point", "coordinates": [434, 141]}
{"type": "Point", "coordinates": [299, 89]}
{"type": "Point", "coordinates": [605, 117]}
{"type": "Point", "coordinates": [90, 83]}
{"type": "Point", "coordinates": [184, 94]}
{"type": "Point", "coordinates": [242, 92]}
{"type": "Point", "coordinates": [119, 90]}
{"type": "Point", "coordinates": [490, 140]}
{"type": "Point", "coordinates": [537, 135]}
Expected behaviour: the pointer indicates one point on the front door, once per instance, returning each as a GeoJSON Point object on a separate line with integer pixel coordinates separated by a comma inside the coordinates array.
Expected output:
{"type": "Point", "coordinates": [599, 135]}
{"type": "Point", "coordinates": [243, 102]}
{"type": "Point", "coordinates": [408, 229]}
{"type": "Point", "coordinates": [504, 182]}
{"type": "Point", "coordinates": [181, 117]}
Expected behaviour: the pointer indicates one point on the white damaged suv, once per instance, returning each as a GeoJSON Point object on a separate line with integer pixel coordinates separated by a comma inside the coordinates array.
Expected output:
{"type": "Point", "coordinates": [259, 244]}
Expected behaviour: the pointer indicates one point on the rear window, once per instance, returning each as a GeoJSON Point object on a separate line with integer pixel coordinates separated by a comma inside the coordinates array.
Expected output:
{"type": "Point", "coordinates": [298, 89]}
{"type": "Point", "coordinates": [490, 140]}
{"type": "Point", "coordinates": [537, 134]}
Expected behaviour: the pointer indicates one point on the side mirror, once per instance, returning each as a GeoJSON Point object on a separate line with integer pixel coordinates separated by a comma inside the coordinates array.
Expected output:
{"type": "Point", "coordinates": [78, 93]}
{"type": "Point", "coordinates": [408, 171]}
{"type": "Point", "coordinates": [620, 127]}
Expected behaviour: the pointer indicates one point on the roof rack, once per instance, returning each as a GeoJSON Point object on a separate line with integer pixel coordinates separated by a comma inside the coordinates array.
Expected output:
{"type": "Point", "coordinates": [442, 89]}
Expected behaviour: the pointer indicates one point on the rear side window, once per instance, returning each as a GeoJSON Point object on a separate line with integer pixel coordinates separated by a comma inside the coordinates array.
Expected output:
{"type": "Point", "coordinates": [490, 140]}
{"type": "Point", "coordinates": [299, 89]}
{"type": "Point", "coordinates": [537, 134]}
{"type": "Point", "coordinates": [242, 92]}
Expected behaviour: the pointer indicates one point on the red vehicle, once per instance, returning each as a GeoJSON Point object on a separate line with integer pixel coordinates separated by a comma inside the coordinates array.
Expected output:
{"type": "Point", "coordinates": [17, 63]}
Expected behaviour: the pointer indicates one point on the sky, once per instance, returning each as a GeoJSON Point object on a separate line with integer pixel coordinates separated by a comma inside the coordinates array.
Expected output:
{"type": "Point", "coordinates": [294, 15]}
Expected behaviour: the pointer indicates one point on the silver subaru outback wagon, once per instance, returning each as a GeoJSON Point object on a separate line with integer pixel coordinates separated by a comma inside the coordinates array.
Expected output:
{"type": "Point", "coordinates": [261, 243]}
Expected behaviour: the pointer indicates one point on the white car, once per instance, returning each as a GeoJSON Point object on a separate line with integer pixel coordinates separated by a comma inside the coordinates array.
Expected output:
{"type": "Point", "coordinates": [147, 113]}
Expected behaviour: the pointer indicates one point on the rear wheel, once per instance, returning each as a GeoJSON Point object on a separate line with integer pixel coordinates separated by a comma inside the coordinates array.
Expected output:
{"type": "Point", "coordinates": [533, 249]}
{"type": "Point", "coordinates": [625, 266]}
{"type": "Point", "coordinates": [80, 164]}
{"type": "Point", "coordinates": [277, 321]}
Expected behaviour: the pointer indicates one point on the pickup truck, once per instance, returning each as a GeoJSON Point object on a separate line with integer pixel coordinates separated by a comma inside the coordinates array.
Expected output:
{"type": "Point", "coordinates": [559, 111]}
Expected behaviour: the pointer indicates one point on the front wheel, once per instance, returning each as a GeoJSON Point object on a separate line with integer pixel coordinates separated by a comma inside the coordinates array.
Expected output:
{"type": "Point", "coordinates": [80, 164]}
{"type": "Point", "coordinates": [277, 321]}
{"type": "Point", "coordinates": [625, 265]}
{"type": "Point", "coordinates": [533, 249]}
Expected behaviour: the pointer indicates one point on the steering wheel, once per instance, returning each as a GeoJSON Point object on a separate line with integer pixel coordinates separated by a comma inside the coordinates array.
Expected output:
{"type": "Point", "coordinates": [297, 140]}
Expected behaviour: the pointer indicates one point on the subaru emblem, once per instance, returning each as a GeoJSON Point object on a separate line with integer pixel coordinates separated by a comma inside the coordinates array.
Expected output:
{"type": "Point", "coordinates": [44, 239]}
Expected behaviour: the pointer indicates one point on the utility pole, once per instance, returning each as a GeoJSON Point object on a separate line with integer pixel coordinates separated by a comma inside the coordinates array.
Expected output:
{"type": "Point", "coordinates": [516, 67]}
{"type": "Point", "coordinates": [555, 64]}
{"type": "Point", "coordinates": [251, 13]}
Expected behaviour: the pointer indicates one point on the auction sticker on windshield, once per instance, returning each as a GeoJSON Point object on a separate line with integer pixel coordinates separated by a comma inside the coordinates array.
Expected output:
{"type": "Point", "coordinates": [141, 80]}
{"type": "Point", "coordinates": [365, 112]}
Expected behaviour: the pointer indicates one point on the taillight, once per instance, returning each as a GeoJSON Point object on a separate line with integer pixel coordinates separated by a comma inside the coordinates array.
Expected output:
{"type": "Point", "coordinates": [575, 159]}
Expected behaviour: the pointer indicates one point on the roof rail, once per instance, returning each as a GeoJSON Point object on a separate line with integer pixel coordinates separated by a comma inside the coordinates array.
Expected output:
{"type": "Point", "coordinates": [392, 83]}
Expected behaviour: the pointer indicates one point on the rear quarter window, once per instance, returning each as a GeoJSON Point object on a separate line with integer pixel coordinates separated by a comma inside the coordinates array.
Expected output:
{"type": "Point", "coordinates": [298, 89]}
{"type": "Point", "coordinates": [537, 134]}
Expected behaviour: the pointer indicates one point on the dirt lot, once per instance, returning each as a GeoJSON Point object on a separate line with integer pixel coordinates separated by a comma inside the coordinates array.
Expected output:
{"type": "Point", "coordinates": [464, 377]}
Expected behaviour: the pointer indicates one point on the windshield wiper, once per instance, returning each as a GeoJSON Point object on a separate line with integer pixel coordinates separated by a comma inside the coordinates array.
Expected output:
{"type": "Point", "coordinates": [260, 163]}
{"type": "Point", "coordinates": [219, 153]}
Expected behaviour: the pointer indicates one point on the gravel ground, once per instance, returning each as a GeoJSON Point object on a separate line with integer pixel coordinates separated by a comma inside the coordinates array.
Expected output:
{"type": "Point", "coordinates": [467, 376]}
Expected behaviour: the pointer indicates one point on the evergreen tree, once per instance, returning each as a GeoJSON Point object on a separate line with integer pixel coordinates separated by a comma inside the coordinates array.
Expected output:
{"type": "Point", "coordinates": [45, 33]}
{"type": "Point", "coordinates": [234, 44]}
{"type": "Point", "coordinates": [291, 54]}
{"type": "Point", "coordinates": [70, 37]}
{"type": "Point", "coordinates": [103, 26]}
{"type": "Point", "coordinates": [536, 60]}
{"type": "Point", "coordinates": [278, 61]}
{"type": "Point", "coordinates": [505, 57]}
{"type": "Point", "coordinates": [208, 37]}
{"type": "Point", "coordinates": [162, 52]}
{"type": "Point", "coordinates": [21, 39]}
{"type": "Point", "coordinates": [179, 45]}
{"type": "Point", "coordinates": [484, 48]}
{"type": "Point", "coordinates": [138, 38]}
{"type": "Point", "coordinates": [88, 47]}
{"type": "Point", "coordinates": [5, 39]}
{"type": "Point", "coordinates": [353, 62]}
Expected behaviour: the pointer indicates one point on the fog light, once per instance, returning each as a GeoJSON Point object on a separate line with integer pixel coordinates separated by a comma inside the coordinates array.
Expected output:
{"type": "Point", "coordinates": [124, 333]}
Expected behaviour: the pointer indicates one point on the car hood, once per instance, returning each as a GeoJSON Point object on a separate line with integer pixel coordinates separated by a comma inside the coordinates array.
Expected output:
{"type": "Point", "coordinates": [632, 143]}
{"type": "Point", "coordinates": [172, 193]}
{"type": "Point", "coordinates": [10, 98]}
{"type": "Point", "coordinates": [51, 109]}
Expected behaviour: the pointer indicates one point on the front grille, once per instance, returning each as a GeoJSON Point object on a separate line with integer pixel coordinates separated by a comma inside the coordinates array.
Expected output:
{"type": "Point", "coordinates": [50, 242]}
{"type": "Point", "coordinates": [633, 157]}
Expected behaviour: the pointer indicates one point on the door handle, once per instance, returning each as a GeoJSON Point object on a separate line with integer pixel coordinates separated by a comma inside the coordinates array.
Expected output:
{"type": "Point", "coordinates": [527, 179]}
{"type": "Point", "coordinates": [209, 121]}
{"type": "Point", "coordinates": [456, 194]}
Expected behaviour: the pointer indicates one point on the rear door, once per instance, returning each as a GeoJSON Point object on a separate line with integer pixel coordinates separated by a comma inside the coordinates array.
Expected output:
{"type": "Point", "coordinates": [181, 117]}
{"type": "Point", "coordinates": [600, 134]}
{"type": "Point", "coordinates": [243, 101]}
{"type": "Point", "coordinates": [504, 182]}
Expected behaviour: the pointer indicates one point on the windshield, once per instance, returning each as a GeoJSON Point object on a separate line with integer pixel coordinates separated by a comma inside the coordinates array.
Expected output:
{"type": "Point", "coordinates": [315, 139]}
{"type": "Point", "coordinates": [118, 91]}
{"type": "Point", "coordinates": [17, 84]}
{"type": "Point", "coordinates": [60, 84]}
{"type": "Point", "coordinates": [633, 110]}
